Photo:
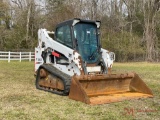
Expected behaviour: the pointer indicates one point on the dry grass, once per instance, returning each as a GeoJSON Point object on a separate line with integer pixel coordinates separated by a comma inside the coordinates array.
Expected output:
{"type": "Point", "coordinates": [19, 99]}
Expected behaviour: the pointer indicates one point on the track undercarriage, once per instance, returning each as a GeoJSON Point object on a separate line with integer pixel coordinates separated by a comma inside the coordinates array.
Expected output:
{"type": "Point", "coordinates": [52, 80]}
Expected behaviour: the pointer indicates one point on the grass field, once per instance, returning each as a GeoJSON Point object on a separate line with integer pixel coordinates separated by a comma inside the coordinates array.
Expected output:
{"type": "Point", "coordinates": [19, 99]}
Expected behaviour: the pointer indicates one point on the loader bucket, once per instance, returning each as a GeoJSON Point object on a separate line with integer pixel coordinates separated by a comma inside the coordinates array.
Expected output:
{"type": "Point", "coordinates": [100, 89]}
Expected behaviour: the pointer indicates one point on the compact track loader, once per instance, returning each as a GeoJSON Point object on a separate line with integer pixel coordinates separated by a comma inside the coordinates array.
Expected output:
{"type": "Point", "coordinates": [71, 61]}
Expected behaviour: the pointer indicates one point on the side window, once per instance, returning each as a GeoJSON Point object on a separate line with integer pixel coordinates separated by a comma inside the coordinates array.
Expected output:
{"type": "Point", "coordinates": [60, 35]}
{"type": "Point", "coordinates": [63, 35]}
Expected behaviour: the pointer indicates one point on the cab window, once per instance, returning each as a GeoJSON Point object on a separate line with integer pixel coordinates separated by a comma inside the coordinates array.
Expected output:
{"type": "Point", "coordinates": [63, 35]}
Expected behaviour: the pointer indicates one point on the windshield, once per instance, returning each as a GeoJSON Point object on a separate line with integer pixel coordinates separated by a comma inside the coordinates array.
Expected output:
{"type": "Point", "coordinates": [87, 39]}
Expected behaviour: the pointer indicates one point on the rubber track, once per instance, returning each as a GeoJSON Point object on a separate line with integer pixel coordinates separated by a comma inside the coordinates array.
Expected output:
{"type": "Point", "coordinates": [66, 79]}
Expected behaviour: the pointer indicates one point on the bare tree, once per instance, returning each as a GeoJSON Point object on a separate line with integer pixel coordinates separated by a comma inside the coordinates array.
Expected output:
{"type": "Point", "coordinates": [28, 19]}
{"type": "Point", "coordinates": [150, 10]}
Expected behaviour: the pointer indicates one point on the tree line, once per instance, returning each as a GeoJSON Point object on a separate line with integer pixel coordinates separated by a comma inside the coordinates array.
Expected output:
{"type": "Point", "coordinates": [130, 28]}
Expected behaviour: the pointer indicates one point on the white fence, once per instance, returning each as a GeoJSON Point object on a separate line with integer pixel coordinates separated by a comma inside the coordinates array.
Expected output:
{"type": "Point", "coordinates": [16, 56]}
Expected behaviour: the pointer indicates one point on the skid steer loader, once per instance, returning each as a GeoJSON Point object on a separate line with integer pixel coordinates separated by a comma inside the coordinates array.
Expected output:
{"type": "Point", "coordinates": [71, 61]}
